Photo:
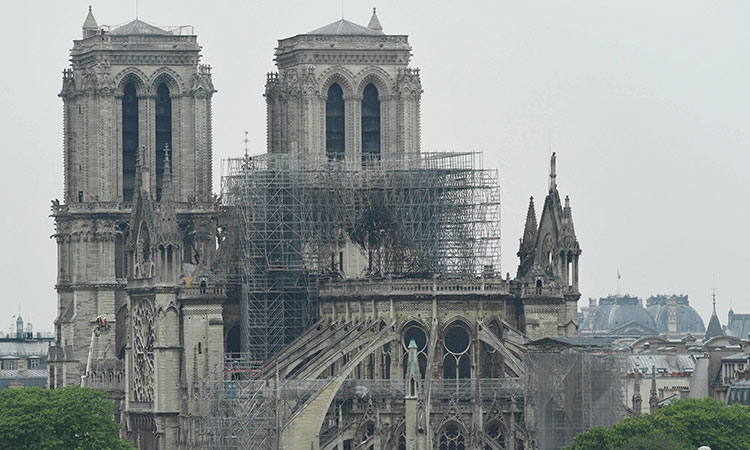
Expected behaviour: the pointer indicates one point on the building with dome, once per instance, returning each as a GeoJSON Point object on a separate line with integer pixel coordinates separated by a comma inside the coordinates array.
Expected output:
{"type": "Point", "coordinates": [674, 317]}
{"type": "Point", "coordinates": [670, 316]}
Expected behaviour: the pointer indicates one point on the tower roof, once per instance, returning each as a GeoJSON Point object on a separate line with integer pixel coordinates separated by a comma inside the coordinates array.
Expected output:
{"type": "Point", "coordinates": [714, 327]}
{"type": "Point", "coordinates": [138, 26]}
{"type": "Point", "coordinates": [344, 27]}
{"type": "Point", "coordinates": [90, 22]}
{"type": "Point", "coordinates": [374, 22]}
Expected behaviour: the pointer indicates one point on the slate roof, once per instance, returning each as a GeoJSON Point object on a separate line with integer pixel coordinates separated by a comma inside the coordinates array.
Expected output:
{"type": "Point", "coordinates": [90, 22]}
{"type": "Point", "coordinates": [344, 27]}
{"type": "Point", "coordinates": [714, 327]}
{"type": "Point", "coordinates": [663, 363]}
{"type": "Point", "coordinates": [30, 373]}
{"type": "Point", "coordinates": [738, 325]}
{"type": "Point", "coordinates": [22, 349]}
{"type": "Point", "coordinates": [138, 27]}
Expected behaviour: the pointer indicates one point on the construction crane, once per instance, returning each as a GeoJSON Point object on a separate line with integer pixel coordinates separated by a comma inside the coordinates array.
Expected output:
{"type": "Point", "coordinates": [102, 327]}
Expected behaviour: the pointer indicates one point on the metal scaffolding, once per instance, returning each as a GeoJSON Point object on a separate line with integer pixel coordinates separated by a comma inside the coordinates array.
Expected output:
{"type": "Point", "coordinates": [570, 391]}
{"type": "Point", "coordinates": [248, 414]}
{"type": "Point", "coordinates": [290, 219]}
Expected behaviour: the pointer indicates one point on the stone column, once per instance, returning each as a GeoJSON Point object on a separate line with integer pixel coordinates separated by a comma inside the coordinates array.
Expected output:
{"type": "Point", "coordinates": [353, 133]}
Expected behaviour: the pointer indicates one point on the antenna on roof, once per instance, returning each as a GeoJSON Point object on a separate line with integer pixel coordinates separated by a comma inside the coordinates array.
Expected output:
{"type": "Point", "coordinates": [245, 141]}
{"type": "Point", "coordinates": [136, 9]}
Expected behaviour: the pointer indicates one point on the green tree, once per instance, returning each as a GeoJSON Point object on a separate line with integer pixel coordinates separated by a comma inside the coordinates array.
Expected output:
{"type": "Point", "coordinates": [685, 424]}
{"type": "Point", "coordinates": [66, 418]}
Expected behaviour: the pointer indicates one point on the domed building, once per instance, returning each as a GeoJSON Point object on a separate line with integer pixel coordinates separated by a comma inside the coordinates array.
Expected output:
{"type": "Point", "coordinates": [673, 315]}
{"type": "Point", "coordinates": [620, 315]}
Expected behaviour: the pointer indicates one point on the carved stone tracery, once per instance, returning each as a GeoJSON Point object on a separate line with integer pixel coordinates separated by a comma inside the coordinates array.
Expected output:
{"type": "Point", "coordinates": [143, 350]}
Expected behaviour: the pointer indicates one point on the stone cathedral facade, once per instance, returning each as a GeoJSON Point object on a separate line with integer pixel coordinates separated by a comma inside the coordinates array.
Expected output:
{"type": "Point", "coordinates": [136, 233]}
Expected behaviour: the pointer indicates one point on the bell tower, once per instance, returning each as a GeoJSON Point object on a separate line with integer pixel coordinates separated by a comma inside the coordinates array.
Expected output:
{"type": "Point", "coordinates": [345, 91]}
{"type": "Point", "coordinates": [128, 88]}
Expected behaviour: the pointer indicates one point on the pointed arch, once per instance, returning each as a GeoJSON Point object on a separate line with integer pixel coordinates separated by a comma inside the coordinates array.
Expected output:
{"type": "Point", "coordinates": [163, 130]}
{"type": "Point", "coordinates": [130, 136]}
{"type": "Point", "coordinates": [172, 79]}
{"type": "Point", "coordinates": [134, 76]}
{"type": "Point", "coordinates": [377, 77]}
{"type": "Point", "coordinates": [370, 128]}
{"type": "Point", "coordinates": [452, 436]}
{"type": "Point", "coordinates": [340, 75]}
{"type": "Point", "coordinates": [335, 123]}
{"type": "Point", "coordinates": [457, 339]}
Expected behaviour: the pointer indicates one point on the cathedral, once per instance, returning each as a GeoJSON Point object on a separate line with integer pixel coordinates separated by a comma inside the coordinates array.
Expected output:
{"type": "Point", "coordinates": [345, 290]}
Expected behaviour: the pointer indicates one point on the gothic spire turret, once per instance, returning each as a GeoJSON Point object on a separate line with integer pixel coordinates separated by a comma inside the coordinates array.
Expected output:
{"type": "Point", "coordinates": [374, 22]}
{"type": "Point", "coordinates": [553, 172]}
{"type": "Point", "coordinates": [166, 191]}
{"type": "Point", "coordinates": [714, 326]}
{"type": "Point", "coordinates": [90, 27]}
{"type": "Point", "coordinates": [529, 232]}
{"type": "Point", "coordinates": [653, 400]}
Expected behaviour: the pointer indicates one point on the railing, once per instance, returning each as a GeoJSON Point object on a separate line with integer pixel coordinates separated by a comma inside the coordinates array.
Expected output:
{"type": "Point", "coordinates": [214, 291]}
{"type": "Point", "coordinates": [531, 291]}
{"type": "Point", "coordinates": [302, 390]}
{"type": "Point", "coordinates": [413, 287]}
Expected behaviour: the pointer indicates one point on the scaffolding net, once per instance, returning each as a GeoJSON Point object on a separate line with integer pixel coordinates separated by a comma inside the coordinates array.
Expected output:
{"type": "Point", "coordinates": [291, 220]}
{"type": "Point", "coordinates": [569, 392]}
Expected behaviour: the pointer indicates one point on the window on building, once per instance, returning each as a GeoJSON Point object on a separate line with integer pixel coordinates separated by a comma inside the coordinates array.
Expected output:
{"type": "Point", "coordinates": [335, 123]}
{"type": "Point", "coordinates": [452, 438]}
{"type": "Point", "coordinates": [415, 332]}
{"type": "Point", "coordinates": [33, 363]}
{"type": "Point", "coordinates": [163, 133]}
{"type": "Point", "coordinates": [370, 124]}
{"type": "Point", "coordinates": [129, 140]}
{"type": "Point", "coordinates": [456, 360]}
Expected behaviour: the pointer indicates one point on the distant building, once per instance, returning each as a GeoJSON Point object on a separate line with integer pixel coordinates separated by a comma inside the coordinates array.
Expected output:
{"type": "Point", "coordinates": [738, 325]}
{"type": "Point", "coordinates": [23, 358]}
{"type": "Point", "coordinates": [624, 315]}
{"type": "Point", "coordinates": [618, 315]}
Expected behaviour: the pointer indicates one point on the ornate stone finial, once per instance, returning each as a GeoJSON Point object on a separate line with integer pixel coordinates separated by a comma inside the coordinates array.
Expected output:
{"type": "Point", "coordinates": [553, 172]}
{"type": "Point", "coordinates": [374, 22]}
{"type": "Point", "coordinates": [167, 171]}
{"type": "Point", "coordinates": [90, 27]}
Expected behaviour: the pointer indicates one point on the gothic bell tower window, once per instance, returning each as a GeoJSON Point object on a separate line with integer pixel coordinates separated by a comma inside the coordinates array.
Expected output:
{"type": "Point", "coordinates": [370, 124]}
{"type": "Point", "coordinates": [129, 140]}
{"type": "Point", "coordinates": [163, 132]}
{"type": "Point", "coordinates": [335, 123]}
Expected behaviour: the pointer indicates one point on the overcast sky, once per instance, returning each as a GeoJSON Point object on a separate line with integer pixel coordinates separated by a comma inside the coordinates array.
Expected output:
{"type": "Point", "coordinates": [646, 102]}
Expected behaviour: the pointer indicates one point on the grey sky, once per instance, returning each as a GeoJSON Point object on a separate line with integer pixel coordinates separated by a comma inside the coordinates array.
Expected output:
{"type": "Point", "coordinates": [647, 103]}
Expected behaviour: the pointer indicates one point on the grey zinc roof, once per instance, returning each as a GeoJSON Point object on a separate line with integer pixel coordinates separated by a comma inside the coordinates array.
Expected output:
{"type": "Point", "coordinates": [739, 325]}
{"type": "Point", "coordinates": [32, 348]}
{"type": "Point", "coordinates": [668, 363]}
{"type": "Point", "coordinates": [138, 27]}
{"type": "Point", "coordinates": [345, 28]}
{"type": "Point", "coordinates": [714, 327]}
{"type": "Point", "coordinates": [90, 22]}
{"type": "Point", "coordinates": [738, 357]}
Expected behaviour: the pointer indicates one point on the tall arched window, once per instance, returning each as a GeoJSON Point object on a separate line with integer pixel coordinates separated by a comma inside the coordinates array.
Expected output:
{"type": "Point", "coordinates": [335, 123]}
{"type": "Point", "coordinates": [370, 124]}
{"type": "Point", "coordinates": [452, 437]}
{"type": "Point", "coordinates": [415, 332]}
{"type": "Point", "coordinates": [456, 357]}
{"type": "Point", "coordinates": [163, 132]}
{"type": "Point", "coordinates": [129, 140]}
